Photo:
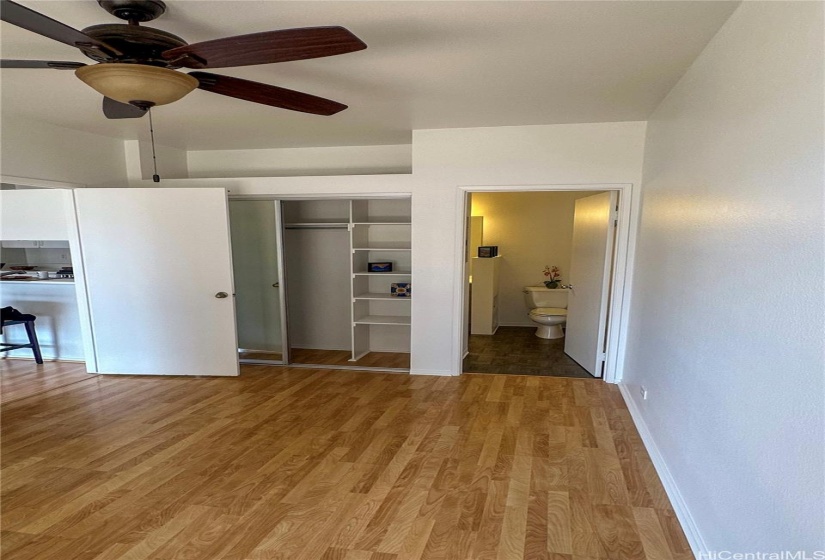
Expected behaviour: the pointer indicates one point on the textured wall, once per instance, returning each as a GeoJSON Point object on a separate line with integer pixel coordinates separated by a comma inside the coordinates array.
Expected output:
{"type": "Point", "coordinates": [727, 313]}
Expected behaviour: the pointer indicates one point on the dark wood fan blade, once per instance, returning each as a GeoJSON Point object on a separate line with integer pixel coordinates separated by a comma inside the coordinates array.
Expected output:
{"type": "Point", "coordinates": [117, 110]}
{"type": "Point", "coordinates": [268, 47]}
{"type": "Point", "coordinates": [53, 64]}
{"type": "Point", "coordinates": [266, 94]}
{"type": "Point", "coordinates": [36, 22]}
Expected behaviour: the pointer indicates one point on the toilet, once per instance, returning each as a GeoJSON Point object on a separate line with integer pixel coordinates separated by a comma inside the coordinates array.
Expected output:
{"type": "Point", "coordinates": [548, 310]}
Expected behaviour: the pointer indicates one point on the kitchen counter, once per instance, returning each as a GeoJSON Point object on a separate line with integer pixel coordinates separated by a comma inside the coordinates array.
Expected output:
{"type": "Point", "coordinates": [40, 281]}
{"type": "Point", "coordinates": [58, 319]}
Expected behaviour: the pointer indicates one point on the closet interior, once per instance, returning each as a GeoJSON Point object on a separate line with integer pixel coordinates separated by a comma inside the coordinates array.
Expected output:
{"type": "Point", "coordinates": [344, 274]}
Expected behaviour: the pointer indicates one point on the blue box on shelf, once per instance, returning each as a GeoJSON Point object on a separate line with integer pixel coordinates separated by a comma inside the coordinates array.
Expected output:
{"type": "Point", "coordinates": [401, 289]}
{"type": "Point", "coordinates": [379, 267]}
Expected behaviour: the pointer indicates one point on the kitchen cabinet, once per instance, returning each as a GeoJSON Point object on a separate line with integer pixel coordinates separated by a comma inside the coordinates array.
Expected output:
{"type": "Point", "coordinates": [29, 244]}
{"type": "Point", "coordinates": [19, 244]}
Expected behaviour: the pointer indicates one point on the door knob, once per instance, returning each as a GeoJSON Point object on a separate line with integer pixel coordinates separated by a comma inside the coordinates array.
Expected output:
{"type": "Point", "coordinates": [221, 295]}
{"type": "Point", "coordinates": [276, 285]}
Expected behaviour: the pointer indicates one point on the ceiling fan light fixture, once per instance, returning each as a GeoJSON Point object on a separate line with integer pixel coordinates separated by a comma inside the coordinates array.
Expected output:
{"type": "Point", "coordinates": [128, 83]}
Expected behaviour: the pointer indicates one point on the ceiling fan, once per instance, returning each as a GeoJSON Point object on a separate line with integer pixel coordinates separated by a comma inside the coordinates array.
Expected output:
{"type": "Point", "coordinates": [137, 66]}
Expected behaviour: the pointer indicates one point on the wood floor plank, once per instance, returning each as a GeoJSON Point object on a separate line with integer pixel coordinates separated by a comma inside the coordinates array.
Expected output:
{"type": "Point", "coordinates": [617, 532]}
{"type": "Point", "coordinates": [559, 537]}
{"type": "Point", "coordinates": [20, 379]}
{"type": "Point", "coordinates": [302, 464]}
{"type": "Point", "coordinates": [650, 531]}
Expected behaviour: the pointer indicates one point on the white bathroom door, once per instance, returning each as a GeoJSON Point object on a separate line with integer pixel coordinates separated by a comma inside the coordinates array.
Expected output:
{"type": "Point", "coordinates": [158, 273]}
{"type": "Point", "coordinates": [589, 279]}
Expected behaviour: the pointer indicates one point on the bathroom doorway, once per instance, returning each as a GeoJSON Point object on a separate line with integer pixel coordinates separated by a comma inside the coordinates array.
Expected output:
{"type": "Point", "coordinates": [539, 268]}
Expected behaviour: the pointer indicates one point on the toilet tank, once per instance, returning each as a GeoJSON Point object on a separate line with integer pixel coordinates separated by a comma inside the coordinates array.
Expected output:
{"type": "Point", "coordinates": [539, 296]}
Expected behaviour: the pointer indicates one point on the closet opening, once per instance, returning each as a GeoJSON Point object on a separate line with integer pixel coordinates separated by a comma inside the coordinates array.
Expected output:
{"type": "Point", "coordinates": [324, 281]}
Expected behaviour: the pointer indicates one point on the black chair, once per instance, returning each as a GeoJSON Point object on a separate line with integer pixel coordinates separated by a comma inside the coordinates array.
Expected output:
{"type": "Point", "coordinates": [14, 317]}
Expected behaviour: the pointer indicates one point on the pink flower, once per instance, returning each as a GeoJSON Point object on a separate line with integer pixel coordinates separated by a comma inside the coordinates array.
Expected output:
{"type": "Point", "coordinates": [553, 273]}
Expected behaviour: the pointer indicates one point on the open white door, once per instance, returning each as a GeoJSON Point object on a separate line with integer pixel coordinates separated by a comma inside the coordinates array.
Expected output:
{"type": "Point", "coordinates": [158, 273]}
{"type": "Point", "coordinates": [593, 233]}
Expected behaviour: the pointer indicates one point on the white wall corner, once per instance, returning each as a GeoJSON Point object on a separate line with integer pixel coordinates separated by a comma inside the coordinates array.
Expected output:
{"type": "Point", "coordinates": [172, 162]}
{"type": "Point", "coordinates": [131, 153]}
{"type": "Point", "coordinates": [694, 537]}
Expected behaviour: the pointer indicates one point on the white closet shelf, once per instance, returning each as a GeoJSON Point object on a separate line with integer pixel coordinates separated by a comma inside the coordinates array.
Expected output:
{"type": "Point", "coordinates": [381, 296]}
{"type": "Point", "coordinates": [385, 222]}
{"type": "Point", "coordinates": [383, 320]}
{"type": "Point", "coordinates": [394, 273]}
{"type": "Point", "coordinates": [316, 224]}
{"type": "Point", "coordinates": [383, 247]}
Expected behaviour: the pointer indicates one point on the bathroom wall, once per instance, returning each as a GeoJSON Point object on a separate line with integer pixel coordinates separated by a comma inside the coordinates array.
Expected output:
{"type": "Point", "coordinates": [532, 230]}
{"type": "Point", "coordinates": [727, 306]}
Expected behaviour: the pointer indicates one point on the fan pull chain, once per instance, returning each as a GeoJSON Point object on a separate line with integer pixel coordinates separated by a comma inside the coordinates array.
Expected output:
{"type": "Point", "coordinates": [155, 177]}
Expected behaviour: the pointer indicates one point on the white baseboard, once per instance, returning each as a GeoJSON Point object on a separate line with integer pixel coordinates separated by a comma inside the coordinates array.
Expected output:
{"type": "Point", "coordinates": [697, 543]}
{"type": "Point", "coordinates": [441, 372]}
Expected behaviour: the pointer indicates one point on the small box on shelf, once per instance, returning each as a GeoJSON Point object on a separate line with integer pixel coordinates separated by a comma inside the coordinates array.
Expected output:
{"type": "Point", "coordinates": [488, 251]}
{"type": "Point", "coordinates": [385, 266]}
{"type": "Point", "coordinates": [401, 289]}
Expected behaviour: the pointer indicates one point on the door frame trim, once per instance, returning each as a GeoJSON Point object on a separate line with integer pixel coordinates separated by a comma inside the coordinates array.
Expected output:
{"type": "Point", "coordinates": [619, 308]}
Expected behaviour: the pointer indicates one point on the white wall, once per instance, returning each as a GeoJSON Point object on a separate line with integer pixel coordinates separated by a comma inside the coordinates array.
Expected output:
{"type": "Point", "coordinates": [38, 150]}
{"type": "Point", "coordinates": [727, 306]}
{"type": "Point", "coordinates": [171, 162]}
{"type": "Point", "coordinates": [532, 230]}
{"type": "Point", "coordinates": [318, 294]}
{"type": "Point", "coordinates": [335, 160]}
{"type": "Point", "coordinates": [444, 160]}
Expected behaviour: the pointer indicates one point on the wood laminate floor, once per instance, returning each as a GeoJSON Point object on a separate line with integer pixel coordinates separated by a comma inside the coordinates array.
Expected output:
{"type": "Point", "coordinates": [518, 351]}
{"type": "Point", "coordinates": [296, 463]}
{"type": "Point", "coordinates": [23, 378]}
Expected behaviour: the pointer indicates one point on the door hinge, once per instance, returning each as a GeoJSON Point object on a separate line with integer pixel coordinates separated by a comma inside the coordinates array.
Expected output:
{"type": "Point", "coordinates": [616, 223]}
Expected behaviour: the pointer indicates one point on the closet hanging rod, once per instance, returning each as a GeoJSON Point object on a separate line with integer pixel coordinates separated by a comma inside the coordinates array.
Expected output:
{"type": "Point", "coordinates": [316, 226]}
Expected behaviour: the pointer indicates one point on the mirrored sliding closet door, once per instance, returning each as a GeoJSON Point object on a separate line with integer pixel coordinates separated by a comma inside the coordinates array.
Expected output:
{"type": "Point", "coordinates": [256, 259]}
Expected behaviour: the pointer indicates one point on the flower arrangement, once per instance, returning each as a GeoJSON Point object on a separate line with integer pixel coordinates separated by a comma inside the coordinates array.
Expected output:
{"type": "Point", "coordinates": [553, 275]}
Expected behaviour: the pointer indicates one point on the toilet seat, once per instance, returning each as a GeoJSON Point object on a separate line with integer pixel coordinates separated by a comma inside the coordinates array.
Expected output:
{"type": "Point", "coordinates": [548, 311]}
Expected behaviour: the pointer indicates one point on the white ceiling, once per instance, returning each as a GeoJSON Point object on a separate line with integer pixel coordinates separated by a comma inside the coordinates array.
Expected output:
{"type": "Point", "coordinates": [430, 64]}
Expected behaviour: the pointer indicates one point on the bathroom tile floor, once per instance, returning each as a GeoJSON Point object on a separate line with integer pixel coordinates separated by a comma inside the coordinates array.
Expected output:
{"type": "Point", "coordinates": [518, 351]}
